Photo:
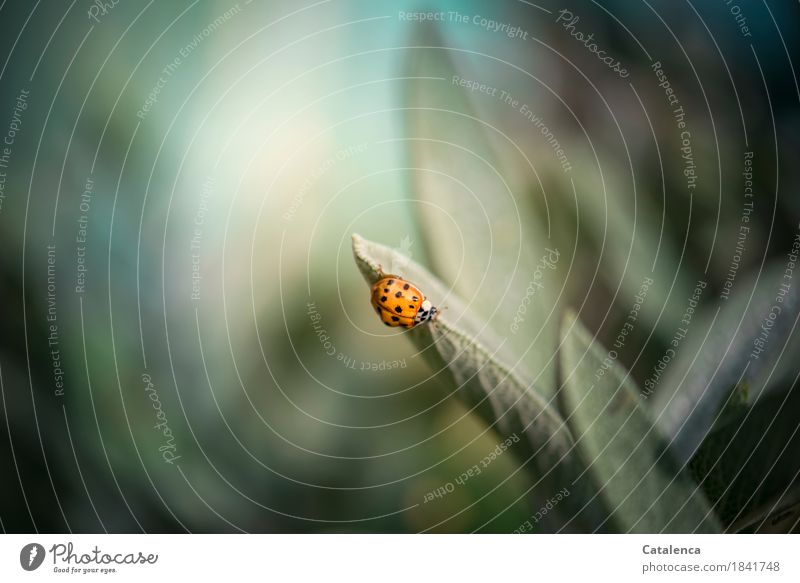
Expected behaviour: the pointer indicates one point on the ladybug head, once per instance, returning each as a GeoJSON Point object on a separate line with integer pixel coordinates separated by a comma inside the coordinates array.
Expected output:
{"type": "Point", "coordinates": [426, 312]}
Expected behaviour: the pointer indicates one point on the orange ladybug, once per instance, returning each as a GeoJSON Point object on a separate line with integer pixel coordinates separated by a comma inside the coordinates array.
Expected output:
{"type": "Point", "coordinates": [400, 303]}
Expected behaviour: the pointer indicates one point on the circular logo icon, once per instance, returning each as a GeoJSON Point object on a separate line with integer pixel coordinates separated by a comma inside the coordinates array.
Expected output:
{"type": "Point", "coordinates": [31, 556]}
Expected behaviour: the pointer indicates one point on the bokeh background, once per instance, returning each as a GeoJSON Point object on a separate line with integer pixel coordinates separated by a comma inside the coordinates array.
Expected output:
{"type": "Point", "coordinates": [186, 343]}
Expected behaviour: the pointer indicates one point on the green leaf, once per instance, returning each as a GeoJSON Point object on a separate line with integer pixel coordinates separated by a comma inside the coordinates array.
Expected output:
{"type": "Point", "coordinates": [749, 465]}
{"type": "Point", "coordinates": [623, 238]}
{"type": "Point", "coordinates": [716, 362]}
{"type": "Point", "coordinates": [470, 212]}
{"type": "Point", "coordinates": [486, 377]}
{"type": "Point", "coordinates": [642, 486]}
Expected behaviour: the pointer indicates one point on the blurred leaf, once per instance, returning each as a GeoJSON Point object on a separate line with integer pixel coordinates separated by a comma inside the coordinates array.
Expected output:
{"type": "Point", "coordinates": [470, 215]}
{"type": "Point", "coordinates": [622, 237]}
{"type": "Point", "coordinates": [484, 376]}
{"type": "Point", "coordinates": [778, 516]}
{"type": "Point", "coordinates": [749, 464]}
{"type": "Point", "coordinates": [630, 463]}
{"type": "Point", "coordinates": [715, 362]}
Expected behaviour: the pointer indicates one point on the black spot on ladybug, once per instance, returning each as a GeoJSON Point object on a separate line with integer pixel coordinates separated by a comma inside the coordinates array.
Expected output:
{"type": "Point", "coordinates": [395, 319]}
{"type": "Point", "coordinates": [383, 298]}
{"type": "Point", "coordinates": [398, 309]}
{"type": "Point", "coordinates": [398, 295]}
{"type": "Point", "coordinates": [391, 281]}
{"type": "Point", "coordinates": [415, 298]}
{"type": "Point", "coordinates": [411, 306]}
{"type": "Point", "coordinates": [386, 290]}
{"type": "Point", "coordinates": [387, 323]}
{"type": "Point", "coordinates": [377, 309]}
{"type": "Point", "coordinates": [406, 286]}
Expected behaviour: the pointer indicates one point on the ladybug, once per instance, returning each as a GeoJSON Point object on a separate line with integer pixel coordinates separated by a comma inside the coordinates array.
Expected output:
{"type": "Point", "coordinates": [400, 303]}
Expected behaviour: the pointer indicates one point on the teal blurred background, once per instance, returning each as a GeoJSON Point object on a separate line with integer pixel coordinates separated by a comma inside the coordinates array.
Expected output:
{"type": "Point", "coordinates": [186, 344]}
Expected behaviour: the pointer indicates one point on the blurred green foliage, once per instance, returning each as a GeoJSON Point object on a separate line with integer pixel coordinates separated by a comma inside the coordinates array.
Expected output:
{"type": "Point", "coordinates": [221, 210]}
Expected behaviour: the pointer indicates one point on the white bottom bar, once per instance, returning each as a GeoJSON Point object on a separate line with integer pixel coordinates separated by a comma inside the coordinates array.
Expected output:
{"type": "Point", "coordinates": [401, 558]}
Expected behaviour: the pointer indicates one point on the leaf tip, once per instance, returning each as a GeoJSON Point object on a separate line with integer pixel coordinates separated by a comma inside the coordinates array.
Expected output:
{"type": "Point", "coordinates": [369, 269]}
